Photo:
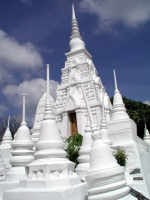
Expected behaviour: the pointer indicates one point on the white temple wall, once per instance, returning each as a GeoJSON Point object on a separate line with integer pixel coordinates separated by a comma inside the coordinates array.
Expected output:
{"type": "Point", "coordinates": [123, 133]}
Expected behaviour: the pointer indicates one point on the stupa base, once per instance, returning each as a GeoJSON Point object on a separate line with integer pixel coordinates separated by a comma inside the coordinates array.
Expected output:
{"type": "Point", "coordinates": [11, 179]}
{"type": "Point", "coordinates": [69, 193]}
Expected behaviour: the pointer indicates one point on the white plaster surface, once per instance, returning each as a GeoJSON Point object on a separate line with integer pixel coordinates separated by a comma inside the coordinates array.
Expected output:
{"type": "Point", "coordinates": [76, 192]}
{"type": "Point", "coordinates": [124, 134]}
{"type": "Point", "coordinates": [6, 156]}
{"type": "Point", "coordinates": [12, 178]}
{"type": "Point", "coordinates": [146, 135]}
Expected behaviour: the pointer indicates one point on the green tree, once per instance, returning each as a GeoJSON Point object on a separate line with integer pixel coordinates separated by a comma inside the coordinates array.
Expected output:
{"type": "Point", "coordinates": [138, 112]}
{"type": "Point", "coordinates": [73, 146]}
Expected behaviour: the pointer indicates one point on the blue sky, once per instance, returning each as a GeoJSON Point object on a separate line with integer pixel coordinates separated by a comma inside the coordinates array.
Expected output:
{"type": "Point", "coordinates": [34, 33]}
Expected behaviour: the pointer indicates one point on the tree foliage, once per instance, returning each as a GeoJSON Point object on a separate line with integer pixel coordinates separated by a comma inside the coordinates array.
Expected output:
{"type": "Point", "coordinates": [14, 124]}
{"type": "Point", "coordinates": [73, 146]}
{"type": "Point", "coordinates": [139, 112]}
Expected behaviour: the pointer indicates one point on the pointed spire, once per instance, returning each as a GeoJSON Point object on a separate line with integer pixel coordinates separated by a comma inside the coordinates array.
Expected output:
{"type": "Point", "coordinates": [8, 122]}
{"type": "Point", "coordinates": [116, 88]}
{"type": "Point", "coordinates": [48, 107]}
{"type": "Point", "coordinates": [47, 91]}
{"type": "Point", "coordinates": [118, 111]}
{"type": "Point", "coordinates": [76, 42]}
{"type": "Point", "coordinates": [23, 110]}
{"type": "Point", "coordinates": [73, 12]}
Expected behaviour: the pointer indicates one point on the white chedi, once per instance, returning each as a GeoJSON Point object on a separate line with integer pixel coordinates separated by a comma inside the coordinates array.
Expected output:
{"type": "Point", "coordinates": [7, 138]}
{"type": "Point", "coordinates": [39, 117]}
{"type": "Point", "coordinates": [22, 145]}
{"type": "Point", "coordinates": [84, 152]}
{"type": "Point", "coordinates": [51, 174]}
{"type": "Point", "coordinates": [105, 177]}
{"type": "Point", "coordinates": [50, 152]}
{"type": "Point", "coordinates": [146, 135]}
{"type": "Point", "coordinates": [118, 110]}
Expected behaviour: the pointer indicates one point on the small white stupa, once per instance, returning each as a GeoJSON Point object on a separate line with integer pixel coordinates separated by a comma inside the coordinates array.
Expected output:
{"type": "Point", "coordinates": [6, 146]}
{"type": "Point", "coordinates": [7, 138]}
{"type": "Point", "coordinates": [84, 152]}
{"type": "Point", "coordinates": [105, 177]}
{"type": "Point", "coordinates": [51, 175]}
{"type": "Point", "coordinates": [22, 155]}
{"type": "Point", "coordinates": [118, 110]}
{"type": "Point", "coordinates": [146, 135]}
{"type": "Point", "coordinates": [22, 146]}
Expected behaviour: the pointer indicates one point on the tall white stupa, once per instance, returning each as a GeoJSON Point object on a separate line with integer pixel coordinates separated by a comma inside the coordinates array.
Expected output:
{"type": "Point", "coordinates": [70, 106]}
{"type": "Point", "coordinates": [123, 132]}
{"type": "Point", "coordinates": [51, 175]}
{"type": "Point", "coordinates": [105, 177]}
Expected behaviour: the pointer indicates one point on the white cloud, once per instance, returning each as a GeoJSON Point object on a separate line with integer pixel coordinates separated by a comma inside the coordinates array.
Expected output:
{"type": "Point", "coordinates": [3, 108]}
{"type": "Point", "coordinates": [33, 90]}
{"type": "Point", "coordinates": [15, 55]}
{"type": "Point", "coordinates": [45, 50]}
{"type": "Point", "coordinates": [147, 102]}
{"type": "Point", "coordinates": [6, 76]}
{"type": "Point", "coordinates": [132, 13]}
